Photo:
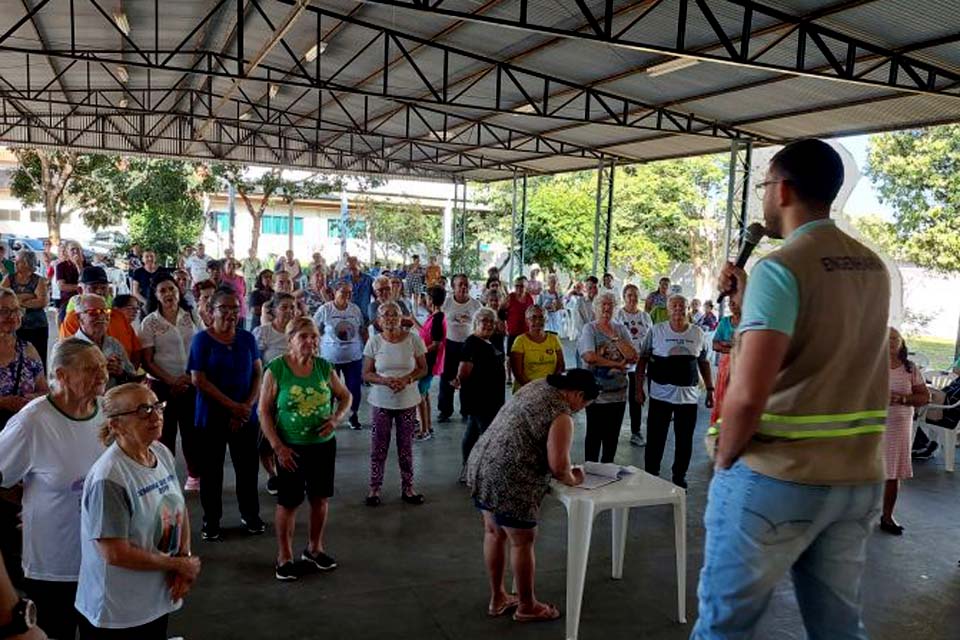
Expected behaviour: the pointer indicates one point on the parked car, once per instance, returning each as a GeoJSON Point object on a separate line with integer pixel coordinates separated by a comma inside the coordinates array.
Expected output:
{"type": "Point", "coordinates": [14, 243]}
{"type": "Point", "coordinates": [107, 242]}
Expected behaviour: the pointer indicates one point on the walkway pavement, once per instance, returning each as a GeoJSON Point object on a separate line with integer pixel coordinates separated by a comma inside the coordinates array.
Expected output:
{"type": "Point", "coordinates": [410, 572]}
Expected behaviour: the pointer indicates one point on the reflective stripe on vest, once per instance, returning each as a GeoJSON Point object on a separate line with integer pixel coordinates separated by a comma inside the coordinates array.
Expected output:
{"type": "Point", "coordinates": [835, 425]}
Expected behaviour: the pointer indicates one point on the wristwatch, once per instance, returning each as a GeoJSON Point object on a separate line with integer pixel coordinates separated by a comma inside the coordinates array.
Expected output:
{"type": "Point", "coordinates": [22, 619]}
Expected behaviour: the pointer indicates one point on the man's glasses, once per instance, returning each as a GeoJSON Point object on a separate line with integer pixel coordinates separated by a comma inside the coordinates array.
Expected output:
{"type": "Point", "coordinates": [227, 309]}
{"type": "Point", "coordinates": [143, 411]}
{"type": "Point", "coordinates": [97, 313]}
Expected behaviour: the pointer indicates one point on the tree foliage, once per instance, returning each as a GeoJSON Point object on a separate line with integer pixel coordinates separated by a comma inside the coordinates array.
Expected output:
{"type": "Point", "coordinates": [917, 173]}
{"type": "Point", "coordinates": [403, 229]}
{"type": "Point", "coordinates": [159, 199]}
{"type": "Point", "coordinates": [661, 214]}
{"type": "Point", "coordinates": [882, 234]}
{"type": "Point", "coordinates": [54, 179]}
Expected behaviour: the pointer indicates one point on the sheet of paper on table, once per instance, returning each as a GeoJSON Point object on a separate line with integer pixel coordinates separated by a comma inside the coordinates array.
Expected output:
{"type": "Point", "coordinates": [597, 474]}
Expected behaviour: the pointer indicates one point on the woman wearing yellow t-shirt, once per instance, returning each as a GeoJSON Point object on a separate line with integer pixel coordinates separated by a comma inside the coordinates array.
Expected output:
{"type": "Point", "coordinates": [535, 354]}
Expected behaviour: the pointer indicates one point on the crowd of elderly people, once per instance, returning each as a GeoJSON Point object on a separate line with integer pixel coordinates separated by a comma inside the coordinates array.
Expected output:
{"type": "Point", "coordinates": [98, 426]}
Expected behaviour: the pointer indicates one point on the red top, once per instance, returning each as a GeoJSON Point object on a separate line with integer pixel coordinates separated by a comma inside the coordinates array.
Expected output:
{"type": "Point", "coordinates": [516, 313]}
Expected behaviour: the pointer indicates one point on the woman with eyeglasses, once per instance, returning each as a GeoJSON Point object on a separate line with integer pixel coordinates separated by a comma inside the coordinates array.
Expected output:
{"type": "Point", "coordinates": [166, 334]}
{"type": "Point", "coordinates": [225, 367]}
{"type": "Point", "coordinates": [136, 566]}
{"type": "Point", "coordinates": [393, 361]}
{"type": "Point", "coordinates": [50, 445]}
{"type": "Point", "coordinates": [298, 417]}
{"type": "Point", "coordinates": [32, 292]}
{"type": "Point", "coordinates": [21, 369]}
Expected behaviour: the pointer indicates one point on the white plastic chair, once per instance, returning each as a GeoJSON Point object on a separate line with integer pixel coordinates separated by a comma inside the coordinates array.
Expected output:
{"type": "Point", "coordinates": [947, 438]}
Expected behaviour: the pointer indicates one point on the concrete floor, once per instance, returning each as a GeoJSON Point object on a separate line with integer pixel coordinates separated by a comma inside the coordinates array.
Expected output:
{"type": "Point", "coordinates": [417, 572]}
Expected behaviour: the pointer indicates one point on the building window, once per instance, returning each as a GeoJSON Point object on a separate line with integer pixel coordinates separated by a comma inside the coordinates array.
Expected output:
{"type": "Point", "coordinates": [39, 215]}
{"type": "Point", "coordinates": [279, 226]}
{"type": "Point", "coordinates": [10, 215]}
{"type": "Point", "coordinates": [223, 221]}
{"type": "Point", "coordinates": [355, 228]}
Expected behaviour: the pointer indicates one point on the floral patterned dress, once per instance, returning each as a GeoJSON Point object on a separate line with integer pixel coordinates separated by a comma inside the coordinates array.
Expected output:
{"type": "Point", "coordinates": [508, 470]}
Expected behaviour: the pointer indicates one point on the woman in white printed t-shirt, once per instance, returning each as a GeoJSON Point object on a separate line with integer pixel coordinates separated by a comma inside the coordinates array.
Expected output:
{"type": "Point", "coordinates": [638, 323]}
{"type": "Point", "coordinates": [135, 564]}
{"type": "Point", "coordinates": [50, 445]}
{"type": "Point", "coordinates": [393, 361]}
{"type": "Point", "coordinates": [343, 333]}
{"type": "Point", "coordinates": [671, 354]}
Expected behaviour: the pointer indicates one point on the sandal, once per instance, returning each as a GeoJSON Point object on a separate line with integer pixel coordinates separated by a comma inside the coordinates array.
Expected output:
{"type": "Point", "coordinates": [509, 605]}
{"type": "Point", "coordinates": [546, 614]}
{"type": "Point", "coordinates": [372, 501]}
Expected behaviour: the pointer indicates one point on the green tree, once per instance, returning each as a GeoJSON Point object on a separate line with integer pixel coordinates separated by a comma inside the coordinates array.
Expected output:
{"type": "Point", "coordinates": [403, 229]}
{"type": "Point", "coordinates": [882, 234]}
{"type": "Point", "coordinates": [917, 172]}
{"type": "Point", "coordinates": [160, 200]}
{"type": "Point", "coordinates": [53, 179]}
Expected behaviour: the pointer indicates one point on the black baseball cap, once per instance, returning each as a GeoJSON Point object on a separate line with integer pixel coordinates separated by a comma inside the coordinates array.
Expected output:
{"type": "Point", "coordinates": [94, 275]}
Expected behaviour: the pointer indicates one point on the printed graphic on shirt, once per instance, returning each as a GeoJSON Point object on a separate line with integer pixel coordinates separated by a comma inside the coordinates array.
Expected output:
{"type": "Point", "coordinates": [345, 331]}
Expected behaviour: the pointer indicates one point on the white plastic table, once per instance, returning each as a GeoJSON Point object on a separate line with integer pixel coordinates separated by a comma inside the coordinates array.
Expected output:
{"type": "Point", "coordinates": [637, 490]}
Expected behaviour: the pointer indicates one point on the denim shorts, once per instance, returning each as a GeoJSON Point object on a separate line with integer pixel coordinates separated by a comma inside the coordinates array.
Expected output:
{"type": "Point", "coordinates": [423, 384]}
{"type": "Point", "coordinates": [504, 520]}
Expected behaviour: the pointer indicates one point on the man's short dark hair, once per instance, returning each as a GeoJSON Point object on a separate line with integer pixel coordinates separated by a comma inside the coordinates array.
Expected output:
{"type": "Point", "coordinates": [437, 295]}
{"type": "Point", "coordinates": [813, 168]}
{"type": "Point", "coordinates": [415, 257]}
{"type": "Point", "coordinates": [592, 279]}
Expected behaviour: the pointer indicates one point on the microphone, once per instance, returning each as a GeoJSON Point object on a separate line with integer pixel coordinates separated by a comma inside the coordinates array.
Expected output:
{"type": "Point", "coordinates": [751, 238]}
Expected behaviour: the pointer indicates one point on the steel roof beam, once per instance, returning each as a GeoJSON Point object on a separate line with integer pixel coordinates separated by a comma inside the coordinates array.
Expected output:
{"type": "Point", "coordinates": [104, 132]}
{"type": "Point", "coordinates": [903, 73]}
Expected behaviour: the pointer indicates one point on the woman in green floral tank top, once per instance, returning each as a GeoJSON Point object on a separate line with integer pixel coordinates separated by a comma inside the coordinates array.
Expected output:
{"type": "Point", "coordinates": [298, 418]}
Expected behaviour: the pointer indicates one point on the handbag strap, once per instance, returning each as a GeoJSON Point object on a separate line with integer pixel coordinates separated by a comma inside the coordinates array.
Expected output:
{"type": "Point", "coordinates": [21, 347]}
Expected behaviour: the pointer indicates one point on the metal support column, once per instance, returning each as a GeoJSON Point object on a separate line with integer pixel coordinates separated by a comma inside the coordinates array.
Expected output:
{"type": "Point", "coordinates": [738, 200]}
{"type": "Point", "coordinates": [603, 220]}
{"type": "Point", "coordinates": [738, 195]}
{"type": "Point", "coordinates": [519, 230]}
{"type": "Point", "coordinates": [458, 253]}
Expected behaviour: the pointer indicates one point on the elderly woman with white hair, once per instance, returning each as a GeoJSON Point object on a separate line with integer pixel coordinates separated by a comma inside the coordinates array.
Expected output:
{"type": "Point", "coordinates": [671, 354]}
{"type": "Point", "coordinates": [50, 446]}
{"type": "Point", "coordinates": [136, 564]}
{"type": "Point", "coordinates": [393, 361]}
{"type": "Point", "coordinates": [31, 290]}
{"type": "Point", "coordinates": [606, 350]}
{"type": "Point", "coordinates": [481, 378]}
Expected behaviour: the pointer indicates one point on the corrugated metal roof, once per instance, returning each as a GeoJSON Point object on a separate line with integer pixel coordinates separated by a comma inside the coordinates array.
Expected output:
{"type": "Point", "coordinates": [82, 106]}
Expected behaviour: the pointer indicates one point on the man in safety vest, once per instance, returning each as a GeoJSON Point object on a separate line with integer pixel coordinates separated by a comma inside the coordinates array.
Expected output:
{"type": "Point", "coordinates": [798, 461]}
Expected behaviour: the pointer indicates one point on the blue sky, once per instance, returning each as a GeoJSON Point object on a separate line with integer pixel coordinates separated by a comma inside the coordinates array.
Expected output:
{"type": "Point", "coordinates": [863, 200]}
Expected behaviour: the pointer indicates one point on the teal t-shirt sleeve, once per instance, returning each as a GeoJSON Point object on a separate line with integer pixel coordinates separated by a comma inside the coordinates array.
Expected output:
{"type": "Point", "coordinates": [771, 301]}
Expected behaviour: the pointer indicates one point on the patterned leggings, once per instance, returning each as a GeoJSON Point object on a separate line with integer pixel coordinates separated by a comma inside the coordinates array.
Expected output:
{"type": "Point", "coordinates": [383, 419]}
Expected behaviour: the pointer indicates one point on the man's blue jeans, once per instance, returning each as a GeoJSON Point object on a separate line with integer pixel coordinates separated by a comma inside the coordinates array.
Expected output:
{"type": "Point", "coordinates": [758, 528]}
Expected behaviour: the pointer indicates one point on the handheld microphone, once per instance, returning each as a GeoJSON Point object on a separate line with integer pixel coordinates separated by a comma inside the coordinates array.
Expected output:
{"type": "Point", "coordinates": [751, 238]}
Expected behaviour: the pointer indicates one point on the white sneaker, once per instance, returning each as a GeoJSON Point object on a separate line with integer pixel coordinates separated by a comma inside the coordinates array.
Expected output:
{"type": "Point", "coordinates": [637, 440]}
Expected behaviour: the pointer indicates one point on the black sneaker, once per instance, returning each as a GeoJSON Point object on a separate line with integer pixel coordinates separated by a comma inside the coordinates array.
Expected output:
{"type": "Point", "coordinates": [254, 527]}
{"type": "Point", "coordinates": [927, 452]}
{"type": "Point", "coordinates": [355, 423]}
{"type": "Point", "coordinates": [286, 572]}
{"type": "Point", "coordinates": [211, 533]}
{"type": "Point", "coordinates": [272, 485]}
{"type": "Point", "coordinates": [320, 560]}
{"type": "Point", "coordinates": [443, 418]}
